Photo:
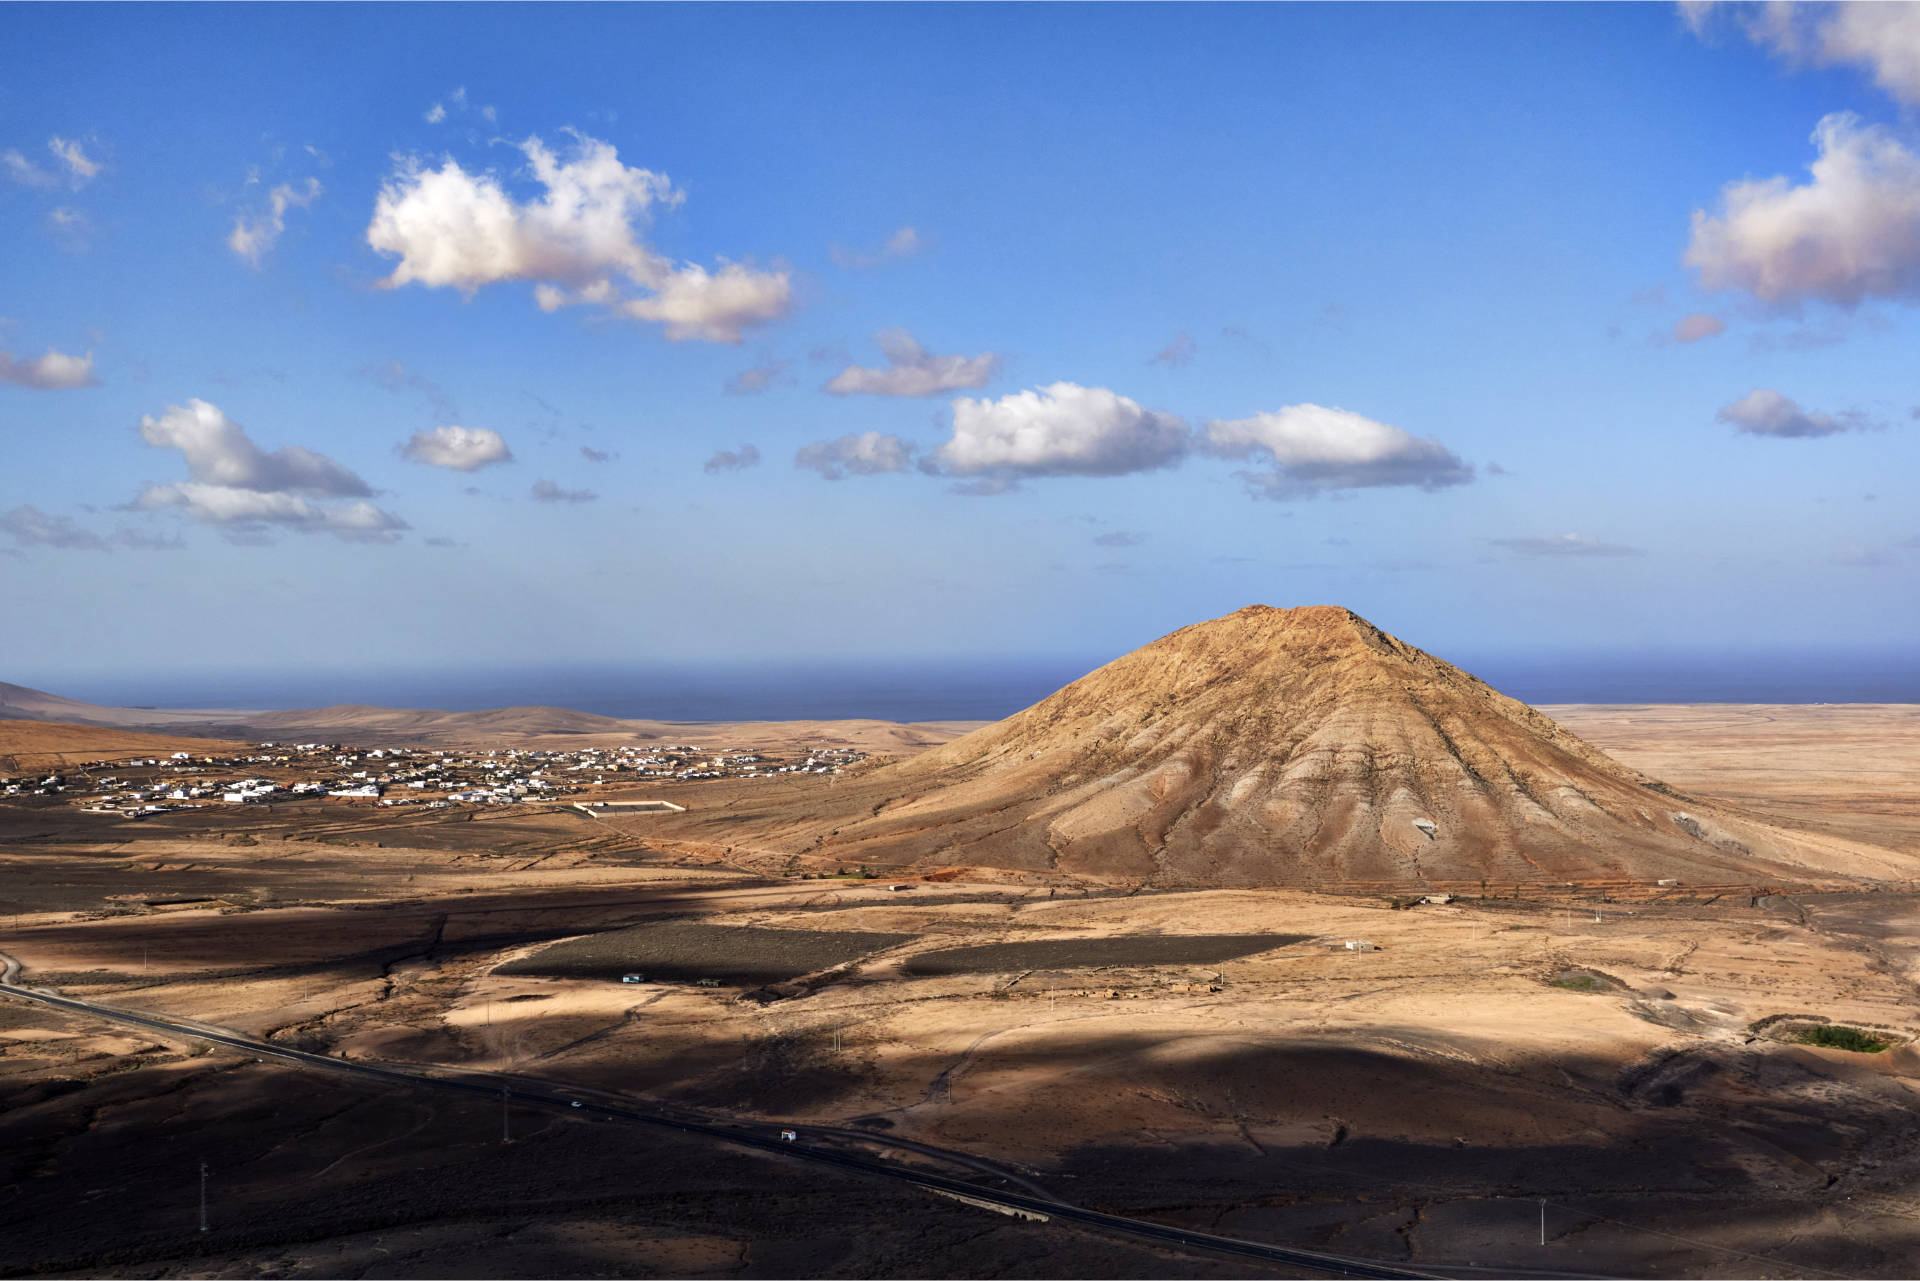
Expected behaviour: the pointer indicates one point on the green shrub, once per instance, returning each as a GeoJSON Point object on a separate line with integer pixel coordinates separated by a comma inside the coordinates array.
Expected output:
{"type": "Point", "coordinates": [1833, 1036]}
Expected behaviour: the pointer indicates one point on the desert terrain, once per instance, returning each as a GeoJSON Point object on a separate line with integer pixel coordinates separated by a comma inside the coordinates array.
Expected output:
{"type": "Point", "coordinates": [1535, 1076]}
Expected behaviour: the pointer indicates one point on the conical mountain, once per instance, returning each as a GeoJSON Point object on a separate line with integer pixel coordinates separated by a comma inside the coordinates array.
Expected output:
{"type": "Point", "coordinates": [1298, 747]}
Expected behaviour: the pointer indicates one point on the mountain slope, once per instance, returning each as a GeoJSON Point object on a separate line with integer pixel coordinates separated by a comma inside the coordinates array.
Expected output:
{"type": "Point", "coordinates": [1298, 747]}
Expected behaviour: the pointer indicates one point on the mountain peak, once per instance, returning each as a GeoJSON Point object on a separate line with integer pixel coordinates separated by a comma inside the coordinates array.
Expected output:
{"type": "Point", "coordinates": [1295, 746]}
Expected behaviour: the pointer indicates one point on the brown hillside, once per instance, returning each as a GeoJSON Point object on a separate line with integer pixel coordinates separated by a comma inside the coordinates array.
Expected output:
{"type": "Point", "coordinates": [35, 745]}
{"type": "Point", "coordinates": [1293, 747]}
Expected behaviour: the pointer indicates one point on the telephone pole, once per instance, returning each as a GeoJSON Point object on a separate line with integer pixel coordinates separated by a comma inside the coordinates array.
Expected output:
{"type": "Point", "coordinates": [506, 1135]}
{"type": "Point", "coordinates": [203, 1196]}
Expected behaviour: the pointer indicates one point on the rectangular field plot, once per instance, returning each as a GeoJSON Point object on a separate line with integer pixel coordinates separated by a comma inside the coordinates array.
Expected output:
{"type": "Point", "coordinates": [687, 951]}
{"type": "Point", "coordinates": [1080, 954]}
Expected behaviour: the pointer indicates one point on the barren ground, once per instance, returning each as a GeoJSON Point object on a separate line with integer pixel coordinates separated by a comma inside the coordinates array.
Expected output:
{"type": "Point", "coordinates": [1415, 1101]}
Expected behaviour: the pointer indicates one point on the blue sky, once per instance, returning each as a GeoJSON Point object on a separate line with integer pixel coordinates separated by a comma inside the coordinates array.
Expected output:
{"type": "Point", "coordinates": [1187, 308]}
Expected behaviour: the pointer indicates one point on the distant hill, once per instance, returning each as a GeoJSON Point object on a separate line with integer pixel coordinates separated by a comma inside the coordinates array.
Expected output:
{"type": "Point", "coordinates": [38, 745]}
{"type": "Point", "coordinates": [503, 726]}
{"type": "Point", "coordinates": [1292, 747]}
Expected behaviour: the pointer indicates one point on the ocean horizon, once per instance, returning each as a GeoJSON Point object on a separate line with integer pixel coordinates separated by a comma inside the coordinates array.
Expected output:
{"type": "Point", "coordinates": [937, 690]}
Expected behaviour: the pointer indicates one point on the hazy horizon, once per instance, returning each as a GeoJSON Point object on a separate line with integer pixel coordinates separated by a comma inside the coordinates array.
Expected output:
{"type": "Point", "coordinates": [952, 688]}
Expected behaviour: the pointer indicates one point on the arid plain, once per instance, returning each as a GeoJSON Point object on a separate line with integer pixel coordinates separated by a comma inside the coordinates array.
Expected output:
{"type": "Point", "coordinates": [1537, 1077]}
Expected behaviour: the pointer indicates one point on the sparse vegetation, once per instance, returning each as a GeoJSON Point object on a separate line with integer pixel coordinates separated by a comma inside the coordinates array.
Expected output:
{"type": "Point", "coordinates": [1583, 981]}
{"type": "Point", "coordinates": [1836, 1036]}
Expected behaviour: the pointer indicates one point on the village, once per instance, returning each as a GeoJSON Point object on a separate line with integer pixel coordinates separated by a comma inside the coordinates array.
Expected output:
{"type": "Point", "coordinates": [388, 776]}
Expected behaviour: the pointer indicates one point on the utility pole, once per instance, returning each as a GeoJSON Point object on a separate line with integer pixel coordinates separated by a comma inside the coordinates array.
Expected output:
{"type": "Point", "coordinates": [203, 1196]}
{"type": "Point", "coordinates": [506, 1135]}
{"type": "Point", "coordinates": [1543, 1220]}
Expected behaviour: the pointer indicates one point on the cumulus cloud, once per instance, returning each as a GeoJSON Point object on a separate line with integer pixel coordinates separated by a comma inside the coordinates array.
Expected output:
{"type": "Point", "coordinates": [250, 513]}
{"type": "Point", "coordinates": [1768, 413]}
{"type": "Point", "coordinates": [1851, 233]}
{"type": "Point", "coordinates": [1880, 38]}
{"type": "Point", "coordinates": [457, 448]}
{"type": "Point", "coordinates": [912, 370]}
{"type": "Point", "coordinates": [768, 373]}
{"type": "Point", "coordinates": [1060, 430]}
{"type": "Point", "coordinates": [732, 460]}
{"type": "Point", "coordinates": [235, 483]}
{"type": "Point", "coordinates": [218, 451]}
{"type": "Point", "coordinates": [254, 234]}
{"type": "Point", "coordinates": [904, 243]}
{"type": "Point", "coordinates": [54, 371]}
{"type": "Point", "coordinates": [593, 455]}
{"type": "Point", "coordinates": [866, 454]}
{"type": "Point", "coordinates": [1180, 351]}
{"type": "Point", "coordinates": [545, 491]}
{"type": "Point", "coordinates": [1697, 326]}
{"type": "Point", "coordinates": [1314, 449]}
{"type": "Point", "coordinates": [579, 243]}
{"type": "Point", "coordinates": [1565, 545]}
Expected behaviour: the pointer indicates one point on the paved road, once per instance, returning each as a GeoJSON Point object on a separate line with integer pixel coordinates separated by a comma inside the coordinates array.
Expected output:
{"type": "Point", "coordinates": [530, 1092]}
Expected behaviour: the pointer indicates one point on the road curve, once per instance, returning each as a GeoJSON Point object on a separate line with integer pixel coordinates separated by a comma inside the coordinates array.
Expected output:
{"type": "Point", "coordinates": [763, 1137]}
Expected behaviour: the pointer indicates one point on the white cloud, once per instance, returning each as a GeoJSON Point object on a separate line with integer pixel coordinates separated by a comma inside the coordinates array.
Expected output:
{"type": "Point", "coordinates": [904, 243]}
{"type": "Point", "coordinates": [1315, 448]}
{"type": "Point", "coordinates": [1768, 413]}
{"type": "Point", "coordinates": [236, 484]}
{"type": "Point", "coordinates": [1060, 430]}
{"type": "Point", "coordinates": [54, 371]}
{"type": "Point", "coordinates": [218, 451]}
{"type": "Point", "coordinates": [1850, 234]}
{"type": "Point", "coordinates": [436, 113]}
{"type": "Point", "coordinates": [1880, 38]}
{"type": "Point", "coordinates": [713, 306]}
{"type": "Point", "coordinates": [24, 171]}
{"type": "Point", "coordinates": [732, 460]}
{"type": "Point", "coordinates": [457, 448]}
{"type": "Point", "coordinates": [251, 512]}
{"type": "Point", "coordinates": [1697, 326]}
{"type": "Point", "coordinates": [578, 243]}
{"type": "Point", "coordinates": [253, 235]}
{"type": "Point", "coordinates": [912, 370]}
{"type": "Point", "coordinates": [72, 158]}
{"type": "Point", "coordinates": [867, 454]}
{"type": "Point", "coordinates": [1565, 545]}
{"type": "Point", "coordinates": [545, 491]}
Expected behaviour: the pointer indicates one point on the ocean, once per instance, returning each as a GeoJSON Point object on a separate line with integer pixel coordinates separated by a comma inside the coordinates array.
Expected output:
{"type": "Point", "coordinates": [972, 690]}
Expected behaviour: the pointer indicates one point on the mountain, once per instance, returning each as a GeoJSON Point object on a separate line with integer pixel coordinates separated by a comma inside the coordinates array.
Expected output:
{"type": "Point", "coordinates": [1292, 747]}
